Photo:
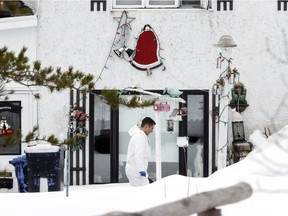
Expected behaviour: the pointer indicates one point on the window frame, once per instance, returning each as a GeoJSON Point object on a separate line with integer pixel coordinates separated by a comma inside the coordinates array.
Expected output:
{"type": "Point", "coordinates": [114, 146]}
{"type": "Point", "coordinates": [145, 4]}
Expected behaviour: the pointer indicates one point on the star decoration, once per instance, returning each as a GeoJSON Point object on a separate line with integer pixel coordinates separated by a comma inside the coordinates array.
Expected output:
{"type": "Point", "coordinates": [124, 20]}
{"type": "Point", "coordinates": [123, 27]}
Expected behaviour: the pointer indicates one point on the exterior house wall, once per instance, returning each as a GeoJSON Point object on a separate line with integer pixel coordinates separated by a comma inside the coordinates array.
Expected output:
{"type": "Point", "coordinates": [16, 32]}
{"type": "Point", "coordinates": [70, 34]}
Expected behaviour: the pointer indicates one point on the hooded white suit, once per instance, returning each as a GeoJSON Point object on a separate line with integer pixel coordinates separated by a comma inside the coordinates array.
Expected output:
{"type": "Point", "coordinates": [138, 154]}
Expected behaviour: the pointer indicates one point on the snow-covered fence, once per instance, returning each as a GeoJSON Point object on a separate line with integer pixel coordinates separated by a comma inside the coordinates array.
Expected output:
{"type": "Point", "coordinates": [203, 203]}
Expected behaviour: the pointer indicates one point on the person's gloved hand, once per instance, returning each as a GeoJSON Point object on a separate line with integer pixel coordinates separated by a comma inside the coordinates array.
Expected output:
{"type": "Point", "coordinates": [143, 173]}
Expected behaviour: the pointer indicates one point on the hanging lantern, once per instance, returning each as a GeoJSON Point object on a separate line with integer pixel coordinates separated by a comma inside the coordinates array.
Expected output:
{"type": "Point", "coordinates": [170, 125]}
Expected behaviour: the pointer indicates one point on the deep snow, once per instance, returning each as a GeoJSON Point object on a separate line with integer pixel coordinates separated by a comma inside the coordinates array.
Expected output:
{"type": "Point", "coordinates": [265, 169]}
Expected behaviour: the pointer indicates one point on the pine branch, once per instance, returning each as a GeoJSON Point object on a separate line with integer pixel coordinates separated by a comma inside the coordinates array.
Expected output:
{"type": "Point", "coordinates": [16, 68]}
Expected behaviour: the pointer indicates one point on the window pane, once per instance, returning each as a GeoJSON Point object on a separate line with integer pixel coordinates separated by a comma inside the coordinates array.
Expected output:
{"type": "Point", "coordinates": [161, 2]}
{"type": "Point", "coordinates": [129, 118]}
{"type": "Point", "coordinates": [191, 2]}
{"type": "Point", "coordinates": [102, 135]}
{"type": "Point", "coordinates": [195, 130]}
{"type": "Point", "coordinates": [128, 2]}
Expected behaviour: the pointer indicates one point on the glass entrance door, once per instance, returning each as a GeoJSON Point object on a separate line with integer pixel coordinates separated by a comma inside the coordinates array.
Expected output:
{"type": "Point", "coordinates": [169, 149]}
{"type": "Point", "coordinates": [101, 142]}
{"type": "Point", "coordinates": [109, 138]}
{"type": "Point", "coordinates": [195, 132]}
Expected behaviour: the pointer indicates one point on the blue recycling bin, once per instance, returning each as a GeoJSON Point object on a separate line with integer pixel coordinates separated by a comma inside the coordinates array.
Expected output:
{"type": "Point", "coordinates": [20, 164]}
{"type": "Point", "coordinates": [45, 164]}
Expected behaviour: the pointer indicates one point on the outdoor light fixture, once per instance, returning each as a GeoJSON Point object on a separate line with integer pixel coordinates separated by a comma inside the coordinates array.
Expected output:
{"type": "Point", "coordinates": [226, 41]}
{"type": "Point", "coordinates": [119, 51]}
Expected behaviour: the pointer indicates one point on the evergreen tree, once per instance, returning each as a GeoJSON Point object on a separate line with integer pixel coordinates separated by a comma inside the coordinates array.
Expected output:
{"type": "Point", "coordinates": [17, 68]}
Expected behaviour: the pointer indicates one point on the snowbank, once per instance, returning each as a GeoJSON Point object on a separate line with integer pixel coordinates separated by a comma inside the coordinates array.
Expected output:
{"type": "Point", "coordinates": [265, 169]}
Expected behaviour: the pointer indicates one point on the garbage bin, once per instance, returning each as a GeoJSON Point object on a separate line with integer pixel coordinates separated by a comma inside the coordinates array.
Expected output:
{"type": "Point", "coordinates": [45, 162]}
{"type": "Point", "coordinates": [20, 164]}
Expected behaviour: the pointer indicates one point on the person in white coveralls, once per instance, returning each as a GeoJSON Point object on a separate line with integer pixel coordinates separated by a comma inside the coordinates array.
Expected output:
{"type": "Point", "coordinates": [139, 152]}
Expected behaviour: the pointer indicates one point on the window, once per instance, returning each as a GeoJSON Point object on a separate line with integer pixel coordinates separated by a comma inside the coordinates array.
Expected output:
{"type": "Point", "coordinates": [117, 4]}
{"type": "Point", "coordinates": [10, 126]}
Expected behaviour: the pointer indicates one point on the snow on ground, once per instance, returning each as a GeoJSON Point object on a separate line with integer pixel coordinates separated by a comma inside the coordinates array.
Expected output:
{"type": "Point", "coordinates": [265, 169]}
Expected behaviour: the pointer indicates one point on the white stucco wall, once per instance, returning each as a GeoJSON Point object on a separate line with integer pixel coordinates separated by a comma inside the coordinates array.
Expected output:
{"type": "Point", "coordinates": [15, 33]}
{"type": "Point", "coordinates": [70, 34]}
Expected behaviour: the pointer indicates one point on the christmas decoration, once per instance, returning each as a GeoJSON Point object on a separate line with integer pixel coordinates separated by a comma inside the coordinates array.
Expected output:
{"type": "Point", "coordinates": [183, 111]}
{"type": "Point", "coordinates": [146, 55]}
{"type": "Point", "coordinates": [238, 100]}
{"type": "Point", "coordinates": [111, 97]}
{"type": "Point", "coordinates": [162, 107]}
{"type": "Point", "coordinates": [172, 92]}
{"type": "Point", "coordinates": [122, 34]}
{"type": "Point", "coordinates": [77, 129]}
{"type": "Point", "coordinates": [119, 40]}
{"type": "Point", "coordinates": [221, 94]}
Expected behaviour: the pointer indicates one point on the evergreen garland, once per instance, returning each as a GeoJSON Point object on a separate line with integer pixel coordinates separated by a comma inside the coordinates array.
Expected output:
{"type": "Point", "coordinates": [16, 68]}
{"type": "Point", "coordinates": [111, 97]}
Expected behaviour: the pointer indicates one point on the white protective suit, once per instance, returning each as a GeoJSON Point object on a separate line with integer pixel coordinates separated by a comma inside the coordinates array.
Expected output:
{"type": "Point", "coordinates": [138, 154]}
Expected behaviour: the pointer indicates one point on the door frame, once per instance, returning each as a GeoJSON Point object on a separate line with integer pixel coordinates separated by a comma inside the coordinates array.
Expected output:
{"type": "Point", "coordinates": [114, 138]}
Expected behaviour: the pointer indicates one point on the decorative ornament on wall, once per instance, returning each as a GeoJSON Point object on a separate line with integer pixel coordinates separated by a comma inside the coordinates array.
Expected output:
{"type": "Point", "coordinates": [238, 100]}
{"type": "Point", "coordinates": [162, 107]}
{"type": "Point", "coordinates": [77, 127]}
{"type": "Point", "coordinates": [146, 54]}
{"type": "Point", "coordinates": [172, 92]}
{"type": "Point", "coordinates": [122, 34]}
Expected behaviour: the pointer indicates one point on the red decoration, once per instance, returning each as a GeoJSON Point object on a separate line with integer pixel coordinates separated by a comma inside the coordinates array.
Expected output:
{"type": "Point", "coordinates": [146, 54]}
{"type": "Point", "coordinates": [162, 107]}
